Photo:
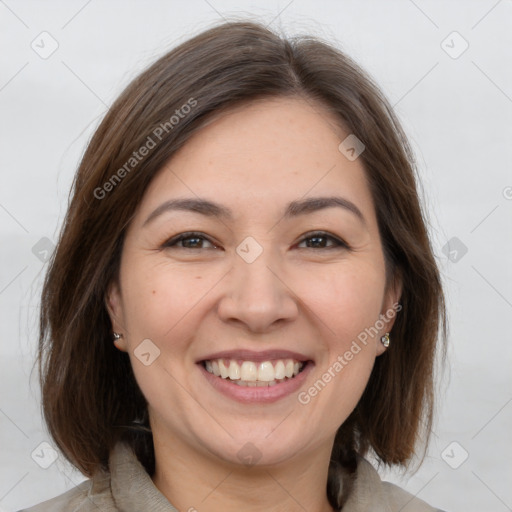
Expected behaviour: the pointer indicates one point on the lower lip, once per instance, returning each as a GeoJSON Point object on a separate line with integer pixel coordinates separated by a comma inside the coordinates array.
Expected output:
{"type": "Point", "coordinates": [256, 394]}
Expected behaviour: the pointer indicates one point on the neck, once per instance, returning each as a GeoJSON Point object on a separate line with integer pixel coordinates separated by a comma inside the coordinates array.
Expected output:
{"type": "Point", "coordinates": [193, 481]}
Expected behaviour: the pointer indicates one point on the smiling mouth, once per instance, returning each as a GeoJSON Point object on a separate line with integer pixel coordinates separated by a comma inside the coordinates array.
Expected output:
{"type": "Point", "coordinates": [253, 374]}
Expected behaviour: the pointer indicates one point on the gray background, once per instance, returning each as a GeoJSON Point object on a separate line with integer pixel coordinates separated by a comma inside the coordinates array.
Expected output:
{"type": "Point", "coordinates": [456, 107]}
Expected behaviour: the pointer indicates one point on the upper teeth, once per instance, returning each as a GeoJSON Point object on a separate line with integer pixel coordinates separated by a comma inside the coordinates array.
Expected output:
{"type": "Point", "coordinates": [249, 371]}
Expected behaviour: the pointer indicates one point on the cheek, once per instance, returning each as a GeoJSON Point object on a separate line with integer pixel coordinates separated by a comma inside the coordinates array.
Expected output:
{"type": "Point", "coordinates": [347, 303]}
{"type": "Point", "coordinates": [158, 301]}
{"type": "Point", "coordinates": [157, 297]}
{"type": "Point", "coordinates": [347, 299]}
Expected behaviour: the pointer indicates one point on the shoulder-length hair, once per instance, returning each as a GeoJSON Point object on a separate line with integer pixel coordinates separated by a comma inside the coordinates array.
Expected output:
{"type": "Point", "coordinates": [89, 394]}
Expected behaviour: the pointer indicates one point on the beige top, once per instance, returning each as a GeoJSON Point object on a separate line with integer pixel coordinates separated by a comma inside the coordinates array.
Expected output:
{"type": "Point", "coordinates": [129, 488]}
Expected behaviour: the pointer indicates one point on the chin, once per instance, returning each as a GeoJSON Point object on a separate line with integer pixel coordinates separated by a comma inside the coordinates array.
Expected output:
{"type": "Point", "coordinates": [261, 450]}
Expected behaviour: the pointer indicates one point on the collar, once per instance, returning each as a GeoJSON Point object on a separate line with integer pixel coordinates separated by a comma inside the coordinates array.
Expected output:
{"type": "Point", "coordinates": [131, 486]}
{"type": "Point", "coordinates": [133, 490]}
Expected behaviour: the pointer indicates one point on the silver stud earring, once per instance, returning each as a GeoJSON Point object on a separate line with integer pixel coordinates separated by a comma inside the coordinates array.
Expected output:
{"type": "Point", "coordinates": [117, 336]}
{"type": "Point", "coordinates": [385, 340]}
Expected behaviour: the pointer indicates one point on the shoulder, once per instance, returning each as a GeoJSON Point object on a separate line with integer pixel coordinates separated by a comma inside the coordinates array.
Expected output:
{"type": "Point", "coordinates": [89, 496]}
{"type": "Point", "coordinates": [126, 486]}
{"type": "Point", "coordinates": [371, 493]}
{"type": "Point", "coordinates": [399, 499]}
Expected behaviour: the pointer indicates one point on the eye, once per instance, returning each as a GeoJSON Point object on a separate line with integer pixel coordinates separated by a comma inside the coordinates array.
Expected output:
{"type": "Point", "coordinates": [317, 238]}
{"type": "Point", "coordinates": [194, 236]}
{"type": "Point", "coordinates": [192, 239]}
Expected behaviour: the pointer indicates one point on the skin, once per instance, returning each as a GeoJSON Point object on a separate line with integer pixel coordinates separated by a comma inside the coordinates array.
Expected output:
{"type": "Point", "coordinates": [190, 302]}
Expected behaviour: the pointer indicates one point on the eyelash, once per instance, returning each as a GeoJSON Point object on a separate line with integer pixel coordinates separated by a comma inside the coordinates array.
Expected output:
{"type": "Point", "coordinates": [316, 234]}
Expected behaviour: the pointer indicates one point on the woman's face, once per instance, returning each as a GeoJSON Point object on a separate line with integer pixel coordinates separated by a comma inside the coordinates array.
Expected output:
{"type": "Point", "coordinates": [256, 288]}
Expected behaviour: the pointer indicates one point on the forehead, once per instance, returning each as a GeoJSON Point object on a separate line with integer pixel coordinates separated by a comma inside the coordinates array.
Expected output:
{"type": "Point", "coordinates": [263, 154]}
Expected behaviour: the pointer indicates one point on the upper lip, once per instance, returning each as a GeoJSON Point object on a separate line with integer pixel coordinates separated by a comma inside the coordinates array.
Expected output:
{"type": "Point", "coordinates": [251, 355]}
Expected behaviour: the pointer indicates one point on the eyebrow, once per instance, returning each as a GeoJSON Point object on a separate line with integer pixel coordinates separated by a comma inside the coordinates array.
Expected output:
{"type": "Point", "coordinates": [293, 209]}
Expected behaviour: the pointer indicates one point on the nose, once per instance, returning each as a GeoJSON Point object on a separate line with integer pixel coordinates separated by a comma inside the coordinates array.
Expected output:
{"type": "Point", "coordinates": [257, 294]}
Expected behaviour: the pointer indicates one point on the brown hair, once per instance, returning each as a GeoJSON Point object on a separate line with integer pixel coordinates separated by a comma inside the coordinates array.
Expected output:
{"type": "Point", "coordinates": [89, 393]}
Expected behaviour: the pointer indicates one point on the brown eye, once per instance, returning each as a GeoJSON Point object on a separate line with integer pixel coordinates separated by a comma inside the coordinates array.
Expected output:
{"type": "Point", "coordinates": [191, 240]}
{"type": "Point", "coordinates": [319, 240]}
{"type": "Point", "coordinates": [194, 240]}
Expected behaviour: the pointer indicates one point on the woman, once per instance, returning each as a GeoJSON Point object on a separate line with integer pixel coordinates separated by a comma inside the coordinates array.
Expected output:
{"type": "Point", "coordinates": [244, 300]}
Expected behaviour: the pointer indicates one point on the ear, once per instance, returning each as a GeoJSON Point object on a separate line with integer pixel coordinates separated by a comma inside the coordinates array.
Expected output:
{"type": "Point", "coordinates": [390, 310]}
{"type": "Point", "coordinates": [113, 303]}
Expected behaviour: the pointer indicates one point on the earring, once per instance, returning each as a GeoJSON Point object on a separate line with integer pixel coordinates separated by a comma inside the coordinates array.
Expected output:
{"type": "Point", "coordinates": [117, 337]}
{"type": "Point", "coordinates": [385, 340]}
